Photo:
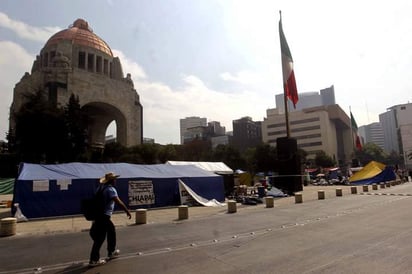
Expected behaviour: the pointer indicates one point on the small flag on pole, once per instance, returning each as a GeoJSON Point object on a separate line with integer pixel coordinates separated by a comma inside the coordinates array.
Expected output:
{"type": "Point", "coordinates": [354, 126]}
{"type": "Point", "coordinates": [289, 82]}
{"type": "Point", "coordinates": [353, 122]}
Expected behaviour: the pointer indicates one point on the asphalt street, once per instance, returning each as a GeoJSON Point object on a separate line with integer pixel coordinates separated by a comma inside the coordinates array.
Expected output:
{"type": "Point", "coordinates": [363, 233]}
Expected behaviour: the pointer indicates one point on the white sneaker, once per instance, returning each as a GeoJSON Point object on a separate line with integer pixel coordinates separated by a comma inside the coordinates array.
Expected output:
{"type": "Point", "coordinates": [97, 263]}
{"type": "Point", "coordinates": [114, 254]}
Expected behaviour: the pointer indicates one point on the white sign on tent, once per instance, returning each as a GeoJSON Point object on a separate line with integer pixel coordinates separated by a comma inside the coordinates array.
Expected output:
{"type": "Point", "coordinates": [141, 193]}
{"type": "Point", "coordinates": [42, 185]}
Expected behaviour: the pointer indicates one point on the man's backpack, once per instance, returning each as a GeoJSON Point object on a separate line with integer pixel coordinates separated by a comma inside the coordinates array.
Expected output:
{"type": "Point", "coordinates": [93, 207]}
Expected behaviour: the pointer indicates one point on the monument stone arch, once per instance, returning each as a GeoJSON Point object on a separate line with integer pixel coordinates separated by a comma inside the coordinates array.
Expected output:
{"type": "Point", "coordinates": [77, 61]}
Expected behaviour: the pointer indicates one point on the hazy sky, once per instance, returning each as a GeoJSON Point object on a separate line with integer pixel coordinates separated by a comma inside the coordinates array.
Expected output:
{"type": "Point", "coordinates": [220, 59]}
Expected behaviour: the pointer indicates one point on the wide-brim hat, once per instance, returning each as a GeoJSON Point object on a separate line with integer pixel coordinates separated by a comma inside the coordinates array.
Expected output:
{"type": "Point", "coordinates": [108, 177]}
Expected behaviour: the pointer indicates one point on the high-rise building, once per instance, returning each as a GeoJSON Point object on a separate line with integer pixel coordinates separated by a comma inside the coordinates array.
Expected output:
{"type": "Point", "coordinates": [195, 128]}
{"type": "Point", "coordinates": [190, 122]}
{"type": "Point", "coordinates": [372, 133]}
{"type": "Point", "coordinates": [322, 128]}
{"type": "Point", "coordinates": [389, 127]}
{"type": "Point", "coordinates": [220, 140]}
{"type": "Point", "coordinates": [246, 133]}
{"type": "Point", "coordinates": [216, 129]}
{"type": "Point", "coordinates": [397, 126]}
{"type": "Point", "coordinates": [200, 133]}
{"type": "Point", "coordinates": [328, 96]}
{"type": "Point", "coordinates": [406, 135]}
{"type": "Point", "coordinates": [307, 100]}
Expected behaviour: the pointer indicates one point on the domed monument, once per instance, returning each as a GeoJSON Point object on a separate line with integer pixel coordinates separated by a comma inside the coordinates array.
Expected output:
{"type": "Point", "coordinates": [76, 61]}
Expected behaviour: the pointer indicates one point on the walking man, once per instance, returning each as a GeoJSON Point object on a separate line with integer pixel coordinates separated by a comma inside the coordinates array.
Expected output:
{"type": "Point", "coordinates": [103, 226]}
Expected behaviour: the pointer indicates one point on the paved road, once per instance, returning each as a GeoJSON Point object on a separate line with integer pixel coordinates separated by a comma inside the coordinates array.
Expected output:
{"type": "Point", "coordinates": [349, 234]}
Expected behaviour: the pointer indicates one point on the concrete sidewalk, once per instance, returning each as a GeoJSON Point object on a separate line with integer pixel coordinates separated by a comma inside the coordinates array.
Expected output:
{"type": "Point", "coordinates": [169, 215]}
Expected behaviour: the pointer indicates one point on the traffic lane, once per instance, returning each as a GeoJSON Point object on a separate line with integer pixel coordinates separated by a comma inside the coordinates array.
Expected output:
{"type": "Point", "coordinates": [74, 247]}
{"type": "Point", "coordinates": [36, 251]}
{"type": "Point", "coordinates": [251, 221]}
{"type": "Point", "coordinates": [367, 241]}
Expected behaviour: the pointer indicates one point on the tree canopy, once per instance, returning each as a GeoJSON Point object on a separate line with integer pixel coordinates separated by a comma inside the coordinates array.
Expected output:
{"type": "Point", "coordinates": [324, 160]}
{"type": "Point", "coordinates": [46, 133]}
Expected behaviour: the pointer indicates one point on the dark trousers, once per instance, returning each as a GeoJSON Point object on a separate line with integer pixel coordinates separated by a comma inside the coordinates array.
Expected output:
{"type": "Point", "coordinates": [101, 227]}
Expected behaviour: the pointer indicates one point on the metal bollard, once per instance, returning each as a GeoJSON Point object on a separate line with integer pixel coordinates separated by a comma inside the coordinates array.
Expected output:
{"type": "Point", "coordinates": [338, 192]}
{"type": "Point", "coordinates": [269, 201]}
{"type": "Point", "coordinates": [8, 226]}
{"type": "Point", "coordinates": [141, 216]}
{"type": "Point", "coordinates": [382, 185]}
{"type": "Point", "coordinates": [365, 188]}
{"type": "Point", "coordinates": [375, 187]}
{"type": "Point", "coordinates": [298, 198]}
{"type": "Point", "coordinates": [353, 189]}
{"type": "Point", "coordinates": [321, 194]}
{"type": "Point", "coordinates": [231, 206]}
{"type": "Point", "coordinates": [183, 212]}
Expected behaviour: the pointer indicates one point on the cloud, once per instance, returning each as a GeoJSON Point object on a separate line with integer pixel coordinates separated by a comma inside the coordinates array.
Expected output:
{"type": "Point", "coordinates": [245, 93]}
{"type": "Point", "coordinates": [164, 106]}
{"type": "Point", "coordinates": [243, 77]}
{"type": "Point", "coordinates": [129, 66]}
{"type": "Point", "coordinates": [14, 62]}
{"type": "Point", "coordinates": [39, 34]}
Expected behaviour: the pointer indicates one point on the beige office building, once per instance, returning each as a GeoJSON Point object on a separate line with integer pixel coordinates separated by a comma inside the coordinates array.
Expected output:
{"type": "Point", "coordinates": [319, 128]}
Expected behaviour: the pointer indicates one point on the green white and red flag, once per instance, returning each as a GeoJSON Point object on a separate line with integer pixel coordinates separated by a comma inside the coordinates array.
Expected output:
{"type": "Point", "coordinates": [353, 122]}
{"type": "Point", "coordinates": [354, 126]}
{"type": "Point", "coordinates": [289, 82]}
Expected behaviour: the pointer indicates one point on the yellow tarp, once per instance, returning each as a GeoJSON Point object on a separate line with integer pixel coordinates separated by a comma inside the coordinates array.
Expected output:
{"type": "Point", "coordinates": [243, 179]}
{"type": "Point", "coordinates": [370, 170]}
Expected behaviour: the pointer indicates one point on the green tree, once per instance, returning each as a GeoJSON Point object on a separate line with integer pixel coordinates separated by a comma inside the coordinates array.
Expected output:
{"type": "Point", "coordinates": [393, 159]}
{"type": "Point", "coordinates": [229, 155]}
{"type": "Point", "coordinates": [76, 123]}
{"type": "Point", "coordinates": [196, 150]}
{"type": "Point", "coordinates": [149, 153]}
{"type": "Point", "coordinates": [40, 133]}
{"type": "Point", "coordinates": [142, 154]}
{"type": "Point", "coordinates": [370, 152]}
{"type": "Point", "coordinates": [302, 154]}
{"type": "Point", "coordinates": [265, 156]}
{"type": "Point", "coordinates": [324, 160]}
{"type": "Point", "coordinates": [168, 152]}
{"type": "Point", "coordinates": [250, 157]}
{"type": "Point", "coordinates": [8, 165]}
{"type": "Point", "coordinates": [113, 152]}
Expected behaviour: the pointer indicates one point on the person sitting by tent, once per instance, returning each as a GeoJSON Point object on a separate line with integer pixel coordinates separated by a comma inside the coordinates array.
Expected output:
{"type": "Point", "coordinates": [103, 226]}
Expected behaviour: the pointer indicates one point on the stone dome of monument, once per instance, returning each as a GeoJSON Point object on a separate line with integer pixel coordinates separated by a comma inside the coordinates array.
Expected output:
{"type": "Point", "coordinates": [80, 33]}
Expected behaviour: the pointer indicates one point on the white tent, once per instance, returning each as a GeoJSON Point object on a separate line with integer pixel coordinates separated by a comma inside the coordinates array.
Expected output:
{"type": "Point", "coordinates": [216, 167]}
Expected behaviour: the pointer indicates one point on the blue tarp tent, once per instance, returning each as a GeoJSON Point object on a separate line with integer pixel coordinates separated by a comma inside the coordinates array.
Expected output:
{"type": "Point", "coordinates": [56, 190]}
{"type": "Point", "coordinates": [373, 173]}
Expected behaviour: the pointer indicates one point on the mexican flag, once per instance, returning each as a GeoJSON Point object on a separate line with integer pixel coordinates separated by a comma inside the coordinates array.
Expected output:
{"type": "Point", "coordinates": [289, 82]}
{"type": "Point", "coordinates": [353, 122]}
{"type": "Point", "coordinates": [354, 125]}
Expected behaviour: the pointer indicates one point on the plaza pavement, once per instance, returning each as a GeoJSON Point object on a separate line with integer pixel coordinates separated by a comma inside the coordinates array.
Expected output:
{"type": "Point", "coordinates": [78, 223]}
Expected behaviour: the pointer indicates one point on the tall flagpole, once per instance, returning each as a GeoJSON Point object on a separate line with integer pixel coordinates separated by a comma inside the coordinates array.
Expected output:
{"type": "Point", "coordinates": [285, 99]}
{"type": "Point", "coordinates": [351, 129]}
